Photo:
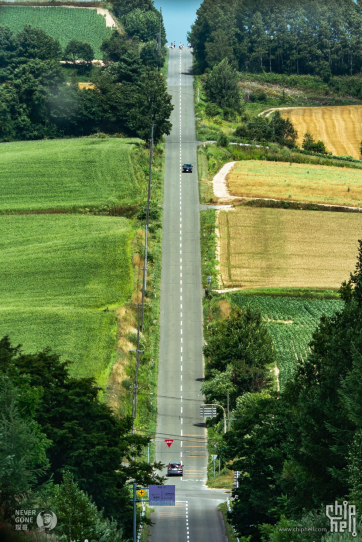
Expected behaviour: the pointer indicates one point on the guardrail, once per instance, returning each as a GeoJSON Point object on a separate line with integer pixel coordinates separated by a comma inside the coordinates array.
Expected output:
{"type": "Point", "coordinates": [229, 510]}
{"type": "Point", "coordinates": [141, 522]}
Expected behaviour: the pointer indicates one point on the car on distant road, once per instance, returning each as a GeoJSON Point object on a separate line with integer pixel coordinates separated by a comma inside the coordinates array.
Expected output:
{"type": "Point", "coordinates": [187, 168]}
{"type": "Point", "coordinates": [175, 469]}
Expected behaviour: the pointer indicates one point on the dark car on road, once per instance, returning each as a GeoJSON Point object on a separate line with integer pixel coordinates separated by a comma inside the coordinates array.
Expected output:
{"type": "Point", "coordinates": [175, 469]}
{"type": "Point", "coordinates": [187, 168]}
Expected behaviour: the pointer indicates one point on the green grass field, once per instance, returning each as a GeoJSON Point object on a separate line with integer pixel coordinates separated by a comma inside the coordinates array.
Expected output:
{"type": "Point", "coordinates": [67, 174]}
{"type": "Point", "coordinates": [63, 24]}
{"type": "Point", "coordinates": [290, 339]}
{"type": "Point", "coordinates": [59, 275]}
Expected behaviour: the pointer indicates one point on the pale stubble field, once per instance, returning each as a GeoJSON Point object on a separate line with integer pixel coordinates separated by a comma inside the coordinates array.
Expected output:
{"type": "Point", "coordinates": [271, 248]}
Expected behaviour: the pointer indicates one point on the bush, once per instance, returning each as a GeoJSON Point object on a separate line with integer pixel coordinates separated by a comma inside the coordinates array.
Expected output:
{"type": "Point", "coordinates": [212, 110]}
{"type": "Point", "coordinates": [258, 96]}
{"type": "Point", "coordinates": [222, 140]}
{"type": "Point", "coordinates": [309, 144]}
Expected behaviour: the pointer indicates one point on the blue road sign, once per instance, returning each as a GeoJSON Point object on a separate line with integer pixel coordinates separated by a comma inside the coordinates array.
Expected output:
{"type": "Point", "coordinates": [161, 495]}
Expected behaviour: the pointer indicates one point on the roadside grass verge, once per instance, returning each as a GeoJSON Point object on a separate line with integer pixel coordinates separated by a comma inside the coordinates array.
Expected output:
{"type": "Point", "coordinates": [209, 263]}
{"type": "Point", "coordinates": [77, 175]}
{"type": "Point", "coordinates": [229, 530]}
{"type": "Point", "coordinates": [226, 477]}
{"type": "Point", "coordinates": [146, 530]}
{"type": "Point", "coordinates": [119, 392]}
{"type": "Point", "coordinates": [63, 276]}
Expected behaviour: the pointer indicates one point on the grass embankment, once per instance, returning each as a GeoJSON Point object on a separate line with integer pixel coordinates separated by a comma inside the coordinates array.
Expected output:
{"type": "Point", "coordinates": [266, 248]}
{"type": "Point", "coordinates": [339, 90]}
{"type": "Point", "coordinates": [62, 275]}
{"type": "Point", "coordinates": [61, 23]}
{"type": "Point", "coordinates": [122, 376]}
{"type": "Point", "coordinates": [296, 182]}
{"type": "Point", "coordinates": [69, 175]}
{"type": "Point", "coordinates": [209, 263]}
{"type": "Point", "coordinates": [229, 529]}
{"type": "Point", "coordinates": [338, 127]}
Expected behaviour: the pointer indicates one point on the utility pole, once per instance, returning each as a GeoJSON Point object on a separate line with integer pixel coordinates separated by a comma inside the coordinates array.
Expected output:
{"type": "Point", "coordinates": [159, 34]}
{"type": "Point", "coordinates": [134, 514]}
{"type": "Point", "coordinates": [228, 411]}
{"type": "Point", "coordinates": [146, 227]}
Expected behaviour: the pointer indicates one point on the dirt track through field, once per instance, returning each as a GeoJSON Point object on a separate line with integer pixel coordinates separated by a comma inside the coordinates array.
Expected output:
{"type": "Point", "coordinates": [339, 127]}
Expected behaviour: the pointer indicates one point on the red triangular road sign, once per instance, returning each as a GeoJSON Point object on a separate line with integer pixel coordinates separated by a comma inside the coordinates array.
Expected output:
{"type": "Point", "coordinates": [169, 441]}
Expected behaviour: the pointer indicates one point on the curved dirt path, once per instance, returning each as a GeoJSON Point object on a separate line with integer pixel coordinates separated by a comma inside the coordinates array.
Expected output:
{"type": "Point", "coordinates": [268, 112]}
{"type": "Point", "coordinates": [219, 182]}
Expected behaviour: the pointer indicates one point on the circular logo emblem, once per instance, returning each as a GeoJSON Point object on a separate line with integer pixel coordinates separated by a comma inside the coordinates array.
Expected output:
{"type": "Point", "coordinates": [46, 520]}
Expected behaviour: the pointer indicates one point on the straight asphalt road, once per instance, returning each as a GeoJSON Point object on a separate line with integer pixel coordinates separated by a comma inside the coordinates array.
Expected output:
{"type": "Point", "coordinates": [195, 517]}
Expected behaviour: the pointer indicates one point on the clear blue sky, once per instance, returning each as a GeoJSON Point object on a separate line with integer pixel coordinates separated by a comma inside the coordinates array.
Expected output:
{"type": "Point", "coordinates": [178, 16]}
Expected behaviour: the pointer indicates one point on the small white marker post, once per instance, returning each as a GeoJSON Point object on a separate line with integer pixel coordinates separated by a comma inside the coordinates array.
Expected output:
{"type": "Point", "coordinates": [214, 457]}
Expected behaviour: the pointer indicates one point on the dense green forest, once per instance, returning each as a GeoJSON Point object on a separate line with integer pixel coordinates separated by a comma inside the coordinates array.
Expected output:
{"type": "Point", "coordinates": [60, 444]}
{"type": "Point", "coordinates": [40, 97]}
{"type": "Point", "coordinates": [282, 36]}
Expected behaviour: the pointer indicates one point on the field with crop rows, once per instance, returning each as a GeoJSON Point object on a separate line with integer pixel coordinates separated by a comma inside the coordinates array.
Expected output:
{"type": "Point", "coordinates": [339, 127]}
{"type": "Point", "coordinates": [63, 24]}
{"type": "Point", "coordinates": [296, 182]}
{"type": "Point", "coordinates": [265, 248]}
{"type": "Point", "coordinates": [60, 273]}
{"type": "Point", "coordinates": [291, 323]}
{"type": "Point", "coordinates": [67, 174]}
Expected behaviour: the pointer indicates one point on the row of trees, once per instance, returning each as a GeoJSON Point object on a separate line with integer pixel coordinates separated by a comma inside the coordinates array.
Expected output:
{"type": "Point", "coordinates": [62, 448]}
{"type": "Point", "coordinates": [283, 36]}
{"type": "Point", "coordinates": [37, 102]}
{"type": "Point", "coordinates": [301, 449]}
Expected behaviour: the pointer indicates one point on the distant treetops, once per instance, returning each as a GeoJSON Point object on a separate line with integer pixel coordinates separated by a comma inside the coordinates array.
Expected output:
{"type": "Point", "coordinates": [304, 37]}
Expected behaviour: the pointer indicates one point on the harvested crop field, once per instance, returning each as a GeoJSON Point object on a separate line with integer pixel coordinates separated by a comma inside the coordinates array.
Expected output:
{"type": "Point", "coordinates": [62, 275]}
{"type": "Point", "coordinates": [263, 248]}
{"type": "Point", "coordinates": [67, 174]}
{"type": "Point", "coordinates": [339, 127]}
{"type": "Point", "coordinates": [296, 182]}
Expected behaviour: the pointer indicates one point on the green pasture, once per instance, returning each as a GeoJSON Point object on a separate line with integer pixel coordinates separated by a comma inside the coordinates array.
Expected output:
{"type": "Point", "coordinates": [291, 322]}
{"type": "Point", "coordinates": [67, 174]}
{"type": "Point", "coordinates": [62, 23]}
{"type": "Point", "coordinates": [62, 275]}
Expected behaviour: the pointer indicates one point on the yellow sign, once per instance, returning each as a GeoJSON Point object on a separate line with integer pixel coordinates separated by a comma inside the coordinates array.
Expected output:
{"type": "Point", "coordinates": [141, 492]}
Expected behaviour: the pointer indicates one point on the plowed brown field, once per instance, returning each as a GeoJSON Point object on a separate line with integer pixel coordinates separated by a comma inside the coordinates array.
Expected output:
{"type": "Point", "coordinates": [261, 248]}
{"type": "Point", "coordinates": [296, 182]}
{"type": "Point", "coordinates": [339, 127]}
